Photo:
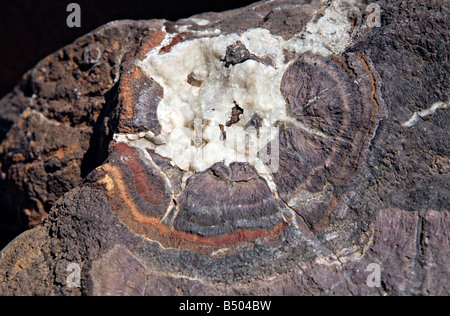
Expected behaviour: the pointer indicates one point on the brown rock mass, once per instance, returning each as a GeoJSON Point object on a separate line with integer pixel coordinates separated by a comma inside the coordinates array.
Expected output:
{"type": "Point", "coordinates": [95, 156]}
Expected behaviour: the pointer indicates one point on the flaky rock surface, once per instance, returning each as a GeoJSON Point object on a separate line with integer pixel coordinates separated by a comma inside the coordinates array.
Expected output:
{"type": "Point", "coordinates": [284, 148]}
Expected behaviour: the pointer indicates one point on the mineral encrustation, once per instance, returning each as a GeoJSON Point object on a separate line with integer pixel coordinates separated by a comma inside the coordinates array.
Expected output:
{"type": "Point", "coordinates": [290, 147]}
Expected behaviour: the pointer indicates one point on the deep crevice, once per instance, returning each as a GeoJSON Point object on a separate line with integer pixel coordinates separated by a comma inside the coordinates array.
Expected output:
{"type": "Point", "coordinates": [103, 132]}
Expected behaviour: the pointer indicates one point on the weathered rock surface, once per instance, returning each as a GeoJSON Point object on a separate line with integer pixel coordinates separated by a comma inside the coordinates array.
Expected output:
{"type": "Point", "coordinates": [51, 123]}
{"type": "Point", "coordinates": [135, 145]}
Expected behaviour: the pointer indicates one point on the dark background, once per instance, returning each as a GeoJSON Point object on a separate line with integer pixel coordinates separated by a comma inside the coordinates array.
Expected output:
{"type": "Point", "coordinates": [33, 29]}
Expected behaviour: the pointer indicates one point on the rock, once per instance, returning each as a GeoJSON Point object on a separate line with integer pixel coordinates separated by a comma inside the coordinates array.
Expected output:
{"type": "Point", "coordinates": [54, 121]}
{"type": "Point", "coordinates": [260, 151]}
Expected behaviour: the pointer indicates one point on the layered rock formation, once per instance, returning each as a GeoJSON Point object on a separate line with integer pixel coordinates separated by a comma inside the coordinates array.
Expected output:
{"type": "Point", "coordinates": [284, 148]}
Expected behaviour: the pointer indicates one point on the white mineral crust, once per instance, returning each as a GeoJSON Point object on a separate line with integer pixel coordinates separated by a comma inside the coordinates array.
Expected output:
{"type": "Point", "coordinates": [253, 85]}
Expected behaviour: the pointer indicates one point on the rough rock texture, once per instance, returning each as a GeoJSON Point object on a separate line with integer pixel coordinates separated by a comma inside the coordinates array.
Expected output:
{"type": "Point", "coordinates": [356, 182]}
{"type": "Point", "coordinates": [51, 123]}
